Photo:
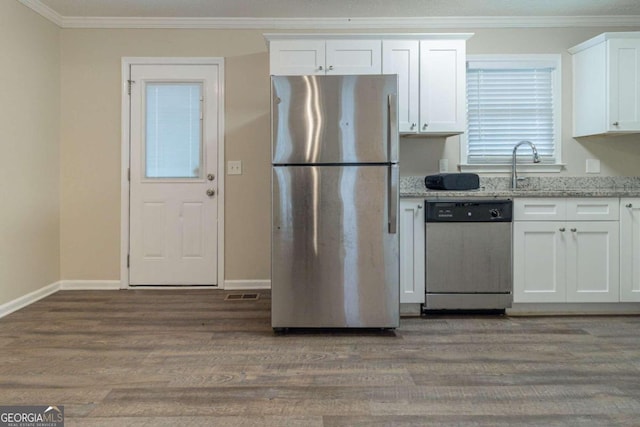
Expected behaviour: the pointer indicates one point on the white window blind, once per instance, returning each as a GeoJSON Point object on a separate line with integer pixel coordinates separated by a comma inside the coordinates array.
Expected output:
{"type": "Point", "coordinates": [511, 101]}
{"type": "Point", "coordinates": [173, 146]}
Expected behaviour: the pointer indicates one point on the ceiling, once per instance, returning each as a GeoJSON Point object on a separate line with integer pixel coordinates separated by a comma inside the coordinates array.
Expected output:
{"type": "Point", "coordinates": [93, 12]}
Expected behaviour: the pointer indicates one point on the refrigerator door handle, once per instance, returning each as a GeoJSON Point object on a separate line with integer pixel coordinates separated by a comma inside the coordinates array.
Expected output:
{"type": "Point", "coordinates": [394, 176]}
{"type": "Point", "coordinates": [392, 130]}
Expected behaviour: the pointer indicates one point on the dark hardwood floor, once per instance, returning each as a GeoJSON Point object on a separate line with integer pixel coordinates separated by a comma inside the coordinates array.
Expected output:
{"type": "Point", "coordinates": [183, 358]}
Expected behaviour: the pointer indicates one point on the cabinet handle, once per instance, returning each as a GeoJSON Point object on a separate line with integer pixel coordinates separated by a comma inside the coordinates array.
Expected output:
{"type": "Point", "coordinates": [413, 125]}
{"type": "Point", "coordinates": [629, 205]}
{"type": "Point", "coordinates": [320, 68]}
{"type": "Point", "coordinates": [574, 229]}
{"type": "Point", "coordinates": [424, 126]}
{"type": "Point", "coordinates": [419, 206]}
{"type": "Point", "coordinates": [562, 229]}
{"type": "Point", "coordinates": [330, 67]}
{"type": "Point", "coordinates": [615, 124]}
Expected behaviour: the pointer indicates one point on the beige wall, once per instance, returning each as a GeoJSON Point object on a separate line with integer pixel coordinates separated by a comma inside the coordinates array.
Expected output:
{"type": "Point", "coordinates": [29, 164]}
{"type": "Point", "coordinates": [90, 143]}
{"type": "Point", "coordinates": [90, 135]}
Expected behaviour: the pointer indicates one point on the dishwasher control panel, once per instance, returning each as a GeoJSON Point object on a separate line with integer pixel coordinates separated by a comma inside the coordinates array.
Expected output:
{"type": "Point", "coordinates": [468, 210]}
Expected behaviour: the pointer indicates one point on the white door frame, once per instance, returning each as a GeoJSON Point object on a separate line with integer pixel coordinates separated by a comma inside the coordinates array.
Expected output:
{"type": "Point", "coordinates": [127, 62]}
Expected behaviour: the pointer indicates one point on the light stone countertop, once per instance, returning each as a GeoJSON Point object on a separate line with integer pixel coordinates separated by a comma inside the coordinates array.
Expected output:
{"type": "Point", "coordinates": [530, 187]}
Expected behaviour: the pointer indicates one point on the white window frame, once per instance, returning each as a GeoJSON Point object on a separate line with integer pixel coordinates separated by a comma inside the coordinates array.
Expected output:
{"type": "Point", "coordinates": [525, 60]}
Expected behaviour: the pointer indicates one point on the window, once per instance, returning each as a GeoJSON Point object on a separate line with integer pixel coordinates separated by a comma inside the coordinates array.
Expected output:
{"type": "Point", "coordinates": [173, 145]}
{"type": "Point", "coordinates": [511, 98]}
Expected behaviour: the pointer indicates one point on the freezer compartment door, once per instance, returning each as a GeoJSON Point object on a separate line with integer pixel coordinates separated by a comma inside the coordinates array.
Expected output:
{"type": "Point", "coordinates": [334, 261]}
{"type": "Point", "coordinates": [334, 119]}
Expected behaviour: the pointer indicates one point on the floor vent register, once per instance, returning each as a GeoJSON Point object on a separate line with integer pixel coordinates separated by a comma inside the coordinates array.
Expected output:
{"type": "Point", "coordinates": [241, 297]}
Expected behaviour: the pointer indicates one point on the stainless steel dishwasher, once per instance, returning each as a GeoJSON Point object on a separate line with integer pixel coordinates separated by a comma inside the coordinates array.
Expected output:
{"type": "Point", "coordinates": [468, 254]}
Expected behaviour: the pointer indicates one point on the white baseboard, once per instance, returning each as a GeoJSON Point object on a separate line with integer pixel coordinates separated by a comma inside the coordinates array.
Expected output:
{"type": "Point", "coordinates": [93, 285]}
{"type": "Point", "coordinates": [169, 287]}
{"type": "Point", "coordinates": [240, 285]}
{"type": "Point", "coordinates": [573, 309]}
{"type": "Point", "coordinates": [30, 298]}
{"type": "Point", "coordinates": [89, 285]}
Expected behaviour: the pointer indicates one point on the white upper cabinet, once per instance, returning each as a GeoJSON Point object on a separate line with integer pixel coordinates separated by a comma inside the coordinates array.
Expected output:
{"type": "Point", "coordinates": [431, 70]}
{"type": "Point", "coordinates": [402, 57]}
{"type": "Point", "coordinates": [442, 86]}
{"type": "Point", "coordinates": [297, 57]}
{"type": "Point", "coordinates": [312, 56]}
{"type": "Point", "coordinates": [354, 57]}
{"type": "Point", "coordinates": [431, 83]}
{"type": "Point", "coordinates": [606, 84]}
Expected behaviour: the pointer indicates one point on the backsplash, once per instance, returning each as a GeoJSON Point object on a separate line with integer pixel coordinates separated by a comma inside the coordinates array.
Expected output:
{"type": "Point", "coordinates": [415, 184]}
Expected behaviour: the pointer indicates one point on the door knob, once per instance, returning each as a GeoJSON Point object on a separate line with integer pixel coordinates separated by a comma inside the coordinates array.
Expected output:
{"type": "Point", "coordinates": [629, 205]}
{"type": "Point", "coordinates": [211, 177]}
{"type": "Point", "coordinates": [615, 124]}
{"type": "Point", "coordinates": [211, 192]}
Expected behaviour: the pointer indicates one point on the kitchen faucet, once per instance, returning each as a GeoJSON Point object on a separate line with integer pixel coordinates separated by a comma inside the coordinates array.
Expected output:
{"type": "Point", "coordinates": [536, 159]}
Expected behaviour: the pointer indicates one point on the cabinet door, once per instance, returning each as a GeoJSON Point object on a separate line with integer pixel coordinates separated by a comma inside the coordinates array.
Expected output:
{"type": "Point", "coordinates": [592, 261]}
{"type": "Point", "coordinates": [354, 57]}
{"type": "Point", "coordinates": [624, 85]}
{"type": "Point", "coordinates": [401, 57]}
{"type": "Point", "coordinates": [412, 246]}
{"type": "Point", "coordinates": [630, 249]}
{"type": "Point", "coordinates": [589, 91]}
{"type": "Point", "coordinates": [539, 261]}
{"type": "Point", "coordinates": [442, 86]}
{"type": "Point", "coordinates": [296, 57]}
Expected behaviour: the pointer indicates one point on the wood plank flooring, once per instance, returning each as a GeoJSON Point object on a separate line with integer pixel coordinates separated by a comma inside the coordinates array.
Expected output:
{"type": "Point", "coordinates": [190, 358]}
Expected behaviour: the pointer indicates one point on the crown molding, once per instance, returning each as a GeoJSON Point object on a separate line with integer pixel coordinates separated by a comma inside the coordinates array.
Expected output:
{"type": "Point", "coordinates": [44, 10]}
{"type": "Point", "coordinates": [399, 23]}
{"type": "Point", "coordinates": [355, 23]}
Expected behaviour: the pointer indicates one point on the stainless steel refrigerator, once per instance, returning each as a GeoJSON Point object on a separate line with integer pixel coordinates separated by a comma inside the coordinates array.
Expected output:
{"type": "Point", "coordinates": [334, 241]}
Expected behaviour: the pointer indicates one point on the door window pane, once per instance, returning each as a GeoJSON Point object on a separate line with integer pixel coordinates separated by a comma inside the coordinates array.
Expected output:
{"type": "Point", "coordinates": [173, 146]}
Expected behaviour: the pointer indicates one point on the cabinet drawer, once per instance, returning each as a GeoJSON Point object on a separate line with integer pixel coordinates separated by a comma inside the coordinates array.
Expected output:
{"type": "Point", "coordinates": [593, 209]}
{"type": "Point", "coordinates": [539, 209]}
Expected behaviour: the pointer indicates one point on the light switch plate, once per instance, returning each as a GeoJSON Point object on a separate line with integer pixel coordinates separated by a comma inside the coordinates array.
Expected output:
{"type": "Point", "coordinates": [234, 167]}
{"type": "Point", "coordinates": [593, 166]}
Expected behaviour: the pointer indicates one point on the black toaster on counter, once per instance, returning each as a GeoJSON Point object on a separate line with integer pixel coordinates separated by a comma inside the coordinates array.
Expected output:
{"type": "Point", "coordinates": [452, 181]}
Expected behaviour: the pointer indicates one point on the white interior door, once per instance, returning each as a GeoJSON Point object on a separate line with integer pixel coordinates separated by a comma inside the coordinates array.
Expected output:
{"type": "Point", "coordinates": [173, 188]}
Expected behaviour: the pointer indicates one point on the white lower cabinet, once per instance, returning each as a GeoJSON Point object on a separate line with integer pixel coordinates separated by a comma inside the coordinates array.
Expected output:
{"type": "Point", "coordinates": [572, 256]}
{"type": "Point", "coordinates": [412, 247]}
{"type": "Point", "coordinates": [539, 269]}
{"type": "Point", "coordinates": [630, 249]}
{"type": "Point", "coordinates": [593, 272]}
